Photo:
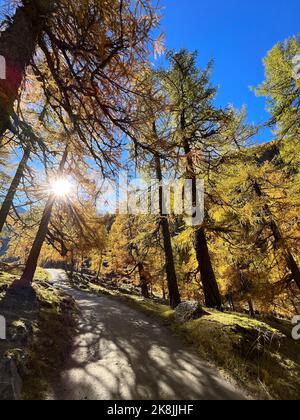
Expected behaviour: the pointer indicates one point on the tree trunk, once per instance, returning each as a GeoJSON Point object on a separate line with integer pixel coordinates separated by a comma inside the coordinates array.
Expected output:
{"type": "Point", "coordinates": [31, 265]}
{"type": "Point", "coordinates": [208, 278]}
{"type": "Point", "coordinates": [17, 46]}
{"type": "Point", "coordinates": [82, 264]}
{"type": "Point", "coordinates": [143, 281]}
{"type": "Point", "coordinates": [7, 203]}
{"type": "Point", "coordinates": [230, 300]}
{"type": "Point", "coordinates": [100, 266]}
{"type": "Point", "coordinates": [73, 263]}
{"type": "Point", "coordinates": [164, 290]}
{"type": "Point", "coordinates": [251, 308]}
{"type": "Point", "coordinates": [32, 261]}
{"type": "Point", "coordinates": [293, 266]}
{"type": "Point", "coordinates": [142, 275]}
{"type": "Point", "coordinates": [279, 240]}
{"type": "Point", "coordinates": [174, 295]}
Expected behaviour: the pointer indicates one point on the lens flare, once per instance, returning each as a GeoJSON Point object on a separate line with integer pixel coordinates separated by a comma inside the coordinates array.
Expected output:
{"type": "Point", "coordinates": [61, 187]}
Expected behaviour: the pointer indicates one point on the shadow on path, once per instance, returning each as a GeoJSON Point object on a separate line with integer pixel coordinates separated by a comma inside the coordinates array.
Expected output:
{"type": "Point", "coordinates": [122, 354]}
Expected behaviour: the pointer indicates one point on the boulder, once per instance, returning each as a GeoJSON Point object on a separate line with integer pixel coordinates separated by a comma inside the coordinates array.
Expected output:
{"type": "Point", "coordinates": [18, 333]}
{"type": "Point", "coordinates": [187, 311]}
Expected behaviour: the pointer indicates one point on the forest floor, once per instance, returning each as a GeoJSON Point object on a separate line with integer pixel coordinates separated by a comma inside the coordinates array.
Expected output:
{"type": "Point", "coordinates": [259, 354]}
{"type": "Point", "coordinates": [120, 353]}
{"type": "Point", "coordinates": [128, 347]}
{"type": "Point", "coordinates": [39, 333]}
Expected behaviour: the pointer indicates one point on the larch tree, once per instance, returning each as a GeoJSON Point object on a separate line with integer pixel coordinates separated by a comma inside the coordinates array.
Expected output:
{"type": "Point", "coordinates": [9, 198]}
{"type": "Point", "coordinates": [129, 247]}
{"type": "Point", "coordinates": [174, 294]}
{"type": "Point", "coordinates": [89, 66]}
{"type": "Point", "coordinates": [151, 146]}
{"type": "Point", "coordinates": [31, 136]}
{"type": "Point", "coordinates": [282, 89]}
{"type": "Point", "coordinates": [18, 41]}
{"type": "Point", "coordinates": [196, 125]}
{"type": "Point", "coordinates": [32, 261]}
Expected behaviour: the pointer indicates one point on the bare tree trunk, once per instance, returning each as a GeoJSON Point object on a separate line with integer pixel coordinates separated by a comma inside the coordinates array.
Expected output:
{"type": "Point", "coordinates": [17, 46]}
{"type": "Point", "coordinates": [174, 295]}
{"type": "Point", "coordinates": [7, 203]}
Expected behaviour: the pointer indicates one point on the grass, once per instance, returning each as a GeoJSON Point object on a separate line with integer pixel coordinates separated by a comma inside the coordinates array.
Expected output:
{"type": "Point", "coordinates": [259, 354]}
{"type": "Point", "coordinates": [39, 334]}
{"type": "Point", "coordinates": [262, 358]}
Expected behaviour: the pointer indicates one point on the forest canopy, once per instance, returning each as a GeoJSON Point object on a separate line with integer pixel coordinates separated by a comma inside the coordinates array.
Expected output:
{"type": "Point", "coordinates": [83, 101]}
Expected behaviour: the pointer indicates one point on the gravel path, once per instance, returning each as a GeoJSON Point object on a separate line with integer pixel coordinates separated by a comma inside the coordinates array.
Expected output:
{"type": "Point", "coordinates": [122, 354]}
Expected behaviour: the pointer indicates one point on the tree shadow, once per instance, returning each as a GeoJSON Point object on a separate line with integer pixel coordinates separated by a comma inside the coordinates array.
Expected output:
{"type": "Point", "coordinates": [19, 306]}
{"type": "Point", "coordinates": [121, 354]}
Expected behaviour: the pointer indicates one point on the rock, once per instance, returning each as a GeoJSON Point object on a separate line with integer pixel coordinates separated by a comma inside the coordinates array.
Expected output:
{"type": "Point", "coordinates": [188, 311]}
{"type": "Point", "coordinates": [19, 334]}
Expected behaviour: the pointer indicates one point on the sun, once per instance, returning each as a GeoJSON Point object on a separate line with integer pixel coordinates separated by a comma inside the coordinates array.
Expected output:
{"type": "Point", "coordinates": [61, 187]}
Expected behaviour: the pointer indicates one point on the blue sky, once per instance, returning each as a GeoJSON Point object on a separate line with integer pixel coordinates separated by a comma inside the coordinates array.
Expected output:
{"type": "Point", "coordinates": [237, 34]}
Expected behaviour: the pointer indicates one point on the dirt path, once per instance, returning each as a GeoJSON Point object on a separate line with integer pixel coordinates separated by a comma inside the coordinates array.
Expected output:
{"type": "Point", "coordinates": [122, 354]}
